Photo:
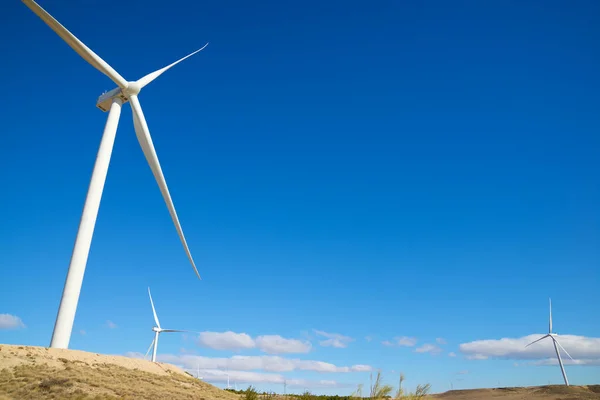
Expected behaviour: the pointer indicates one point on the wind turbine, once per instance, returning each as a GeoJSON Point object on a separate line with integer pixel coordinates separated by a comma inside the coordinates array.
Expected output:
{"type": "Point", "coordinates": [157, 331]}
{"type": "Point", "coordinates": [110, 101]}
{"type": "Point", "coordinates": [555, 342]}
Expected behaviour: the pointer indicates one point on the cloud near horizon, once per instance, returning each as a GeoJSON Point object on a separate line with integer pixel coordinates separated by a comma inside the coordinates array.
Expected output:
{"type": "Point", "coordinates": [250, 363]}
{"type": "Point", "coordinates": [246, 377]}
{"type": "Point", "coordinates": [9, 321]}
{"type": "Point", "coordinates": [271, 344]}
{"type": "Point", "coordinates": [566, 361]}
{"type": "Point", "coordinates": [333, 339]}
{"type": "Point", "coordinates": [584, 350]}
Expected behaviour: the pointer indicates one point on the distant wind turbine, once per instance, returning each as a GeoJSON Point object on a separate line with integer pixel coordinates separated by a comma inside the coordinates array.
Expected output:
{"type": "Point", "coordinates": [555, 342]}
{"type": "Point", "coordinates": [157, 331]}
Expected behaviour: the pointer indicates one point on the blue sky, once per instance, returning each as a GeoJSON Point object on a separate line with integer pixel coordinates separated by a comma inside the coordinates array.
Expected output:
{"type": "Point", "coordinates": [381, 171]}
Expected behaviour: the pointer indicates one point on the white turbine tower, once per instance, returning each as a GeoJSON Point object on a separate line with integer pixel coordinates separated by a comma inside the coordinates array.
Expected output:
{"type": "Point", "coordinates": [111, 102]}
{"type": "Point", "coordinates": [555, 342]}
{"type": "Point", "coordinates": [157, 331]}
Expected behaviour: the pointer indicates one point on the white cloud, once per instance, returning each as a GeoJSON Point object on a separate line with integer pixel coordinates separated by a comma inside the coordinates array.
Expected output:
{"type": "Point", "coordinates": [566, 361]}
{"type": "Point", "coordinates": [253, 363]}
{"type": "Point", "coordinates": [333, 339]}
{"type": "Point", "coordinates": [404, 341]}
{"type": "Point", "coordinates": [272, 344]}
{"type": "Point", "coordinates": [226, 340]}
{"type": "Point", "coordinates": [440, 340]}
{"type": "Point", "coordinates": [246, 377]}
{"type": "Point", "coordinates": [111, 324]}
{"type": "Point", "coordinates": [361, 368]}
{"type": "Point", "coordinates": [82, 332]}
{"type": "Point", "coordinates": [8, 321]}
{"type": "Point", "coordinates": [452, 354]}
{"type": "Point", "coordinates": [275, 344]}
{"type": "Point", "coordinates": [428, 348]}
{"type": "Point", "coordinates": [477, 357]}
{"type": "Point", "coordinates": [585, 350]}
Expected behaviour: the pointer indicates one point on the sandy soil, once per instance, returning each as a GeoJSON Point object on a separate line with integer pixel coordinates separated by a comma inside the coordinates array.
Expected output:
{"type": "Point", "coordinates": [553, 392]}
{"type": "Point", "coordinates": [11, 356]}
{"type": "Point", "coordinates": [29, 372]}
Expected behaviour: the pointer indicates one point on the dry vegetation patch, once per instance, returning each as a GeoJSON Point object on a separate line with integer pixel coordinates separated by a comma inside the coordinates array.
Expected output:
{"type": "Point", "coordinates": [40, 373]}
{"type": "Point", "coordinates": [553, 392]}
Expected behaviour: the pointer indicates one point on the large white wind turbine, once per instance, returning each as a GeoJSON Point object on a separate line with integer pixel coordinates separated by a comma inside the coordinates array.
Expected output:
{"type": "Point", "coordinates": [157, 331]}
{"type": "Point", "coordinates": [555, 342]}
{"type": "Point", "coordinates": [111, 102]}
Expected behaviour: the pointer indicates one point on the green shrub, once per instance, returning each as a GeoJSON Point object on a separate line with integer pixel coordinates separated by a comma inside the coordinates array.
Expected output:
{"type": "Point", "coordinates": [251, 393]}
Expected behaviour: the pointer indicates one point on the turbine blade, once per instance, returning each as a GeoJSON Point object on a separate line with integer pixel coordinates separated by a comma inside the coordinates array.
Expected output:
{"type": "Point", "coordinates": [153, 75]}
{"type": "Point", "coordinates": [151, 344]}
{"type": "Point", "coordinates": [153, 310]}
{"type": "Point", "coordinates": [550, 323]}
{"type": "Point", "coordinates": [563, 349]}
{"type": "Point", "coordinates": [535, 341]}
{"type": "Point", "coordinates": [178, 330]}
{"type": "Point", "coordinates": [85, 52]}
{"type": "Point", "coordinates": [143, 135]}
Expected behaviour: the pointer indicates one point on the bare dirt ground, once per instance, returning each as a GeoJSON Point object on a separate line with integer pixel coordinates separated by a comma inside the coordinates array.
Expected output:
{"type": "Point", "coordinates": [29, 372]}
{"type": "Point", "coordinates": [553, 392]}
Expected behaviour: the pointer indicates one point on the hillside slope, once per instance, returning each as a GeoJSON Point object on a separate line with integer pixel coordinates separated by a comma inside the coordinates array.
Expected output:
{"type": "Point", "coordinates": [552, 392]}
{"type": "Point", "coordinates": [30, 372]}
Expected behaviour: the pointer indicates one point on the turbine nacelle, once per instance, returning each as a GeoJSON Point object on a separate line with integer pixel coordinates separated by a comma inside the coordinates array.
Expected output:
{"type": "Point", "coordinates": [122, 94]}
{"type": "Point", "coordinates": [106, 99]}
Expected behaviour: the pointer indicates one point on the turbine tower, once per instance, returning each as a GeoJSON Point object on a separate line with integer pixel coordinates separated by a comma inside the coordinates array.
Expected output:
{"type": "Point", "coordinates": [157, 331]}
{"type": "Point", "coordinates": [127, 91]}
{"type": "Point", "coordinates": [555, 342]}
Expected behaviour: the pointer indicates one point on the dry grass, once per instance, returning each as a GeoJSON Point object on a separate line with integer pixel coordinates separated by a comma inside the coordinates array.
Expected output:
{"type": "Point", "coordinates": [40, 373]}
{"type": "Point", "coordinates": [553, 392]}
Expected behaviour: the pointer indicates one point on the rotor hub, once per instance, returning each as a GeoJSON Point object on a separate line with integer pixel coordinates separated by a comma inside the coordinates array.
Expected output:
{"type": "Point", "coordinates": [132, 89]}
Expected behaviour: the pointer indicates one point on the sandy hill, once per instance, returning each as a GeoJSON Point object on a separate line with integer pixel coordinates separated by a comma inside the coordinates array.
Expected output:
{"type": "Point", "coordinates": [30, 372]}
{"type": "Point", "coordinates": [553, 392]}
